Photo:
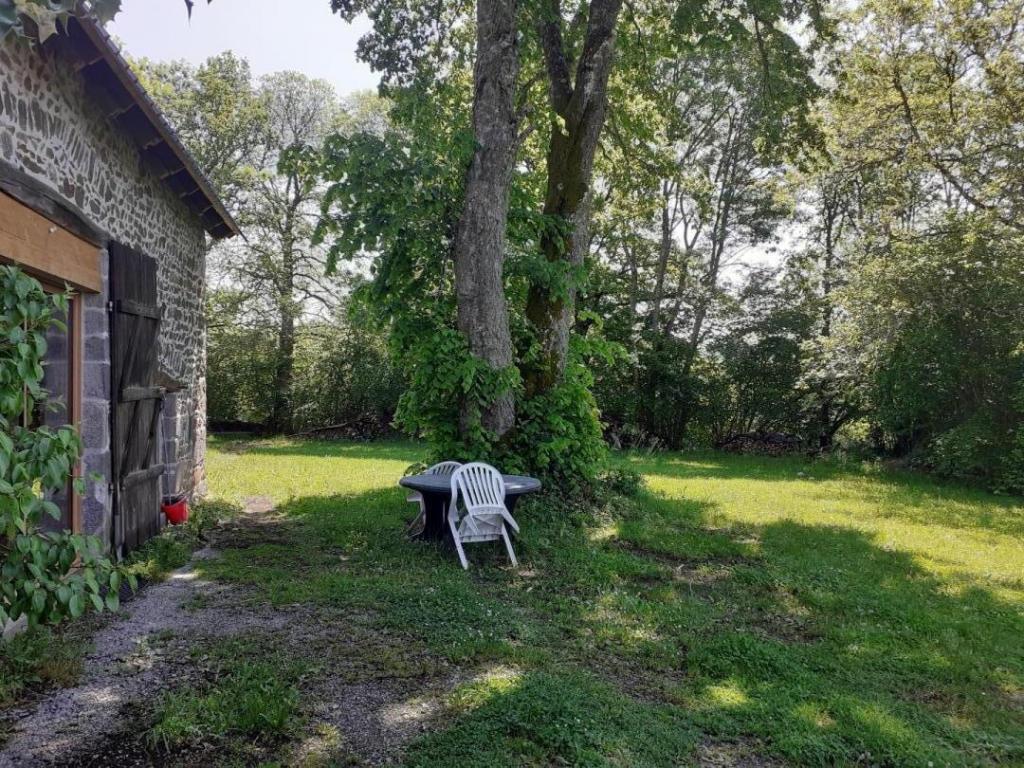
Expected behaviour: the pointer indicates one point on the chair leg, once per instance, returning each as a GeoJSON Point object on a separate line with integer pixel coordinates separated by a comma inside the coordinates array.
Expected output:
{"type": "Point", "coordinates": [458, 544]}
{"type": "Point", "coordinates": [415, 520]}
{"type": "Point", "coordinates": [508, 546]}
{"type": "Point", "coordinates": [420, 516]}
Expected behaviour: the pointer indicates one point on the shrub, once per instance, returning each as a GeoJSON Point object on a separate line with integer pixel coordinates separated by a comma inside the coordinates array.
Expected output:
{"type": "Point", "coordinates": [965, 451]}
{"type": "Point", "coordinates": [37, 567]}
{"type": "Point", "coordinates": [623, 481]}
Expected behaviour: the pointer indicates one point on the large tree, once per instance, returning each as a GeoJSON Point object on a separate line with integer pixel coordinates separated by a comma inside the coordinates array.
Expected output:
{"type": "Point", "coordinates": [276, 261]}
{"type": "Point", "coordinates": [479, 249]}
{"type": "Point", "coordinates": [540, 95]}
{"type": "Point", "coordinates": [219, 113]}
{"type": "Point", "coordinates": [577, 79]}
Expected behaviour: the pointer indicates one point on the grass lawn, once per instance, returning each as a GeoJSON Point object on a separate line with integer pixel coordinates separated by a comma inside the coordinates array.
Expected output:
{"type": "Point", "coordinates": [742, 611]}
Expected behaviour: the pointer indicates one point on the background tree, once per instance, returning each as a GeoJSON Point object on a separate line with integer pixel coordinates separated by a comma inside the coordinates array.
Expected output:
{"type": "Point", "coordinates": [915, 228]}
{"type": "Point", "coordinates": [572, 52]}
{"type": "Point", "coordinates": [218, 112]}
{"type": "Point", "coordinates": [276, 262]}
{"type": "Point", "coordinates": [269, 293]}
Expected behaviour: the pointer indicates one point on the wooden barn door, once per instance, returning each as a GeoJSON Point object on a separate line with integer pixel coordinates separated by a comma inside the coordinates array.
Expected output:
{"type": "Point", "coordinates": [136, 401]}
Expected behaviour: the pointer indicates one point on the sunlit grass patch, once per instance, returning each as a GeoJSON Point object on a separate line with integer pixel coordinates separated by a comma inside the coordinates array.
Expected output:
{"type": "Point", "coordinates": [511, 719]}
{"type": "Point", "coordinates": [786, 610]}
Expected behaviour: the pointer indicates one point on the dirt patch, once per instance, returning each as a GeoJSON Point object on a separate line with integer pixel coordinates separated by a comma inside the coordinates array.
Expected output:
{"type": "Point", "coordinates": [258, 505]}
{"type": "Point", "coordinates": [733, 754]}
{"type": "Point", "coordinates": [372, 722]}
{"type": "Point", "coordinates": [697, 574]}
{"type": "Point", "coordinates": [676, 563]}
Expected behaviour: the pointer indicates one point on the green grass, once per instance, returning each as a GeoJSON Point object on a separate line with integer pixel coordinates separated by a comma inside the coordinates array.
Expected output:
{"type": "Point", "coordinates": [249, 695]}
{"type": "Point", "coordinates": [38, 658]}
{"type": "Point", "coordinates": [811, 613]}
{"type": "Point", "coordinates": [172, 548]}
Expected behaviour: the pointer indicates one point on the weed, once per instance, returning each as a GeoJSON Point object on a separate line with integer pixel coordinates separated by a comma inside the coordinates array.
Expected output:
{"type": "Point", "coordinates": [39, 658]}
{"type": "Point", "coordinates": [247, 697]}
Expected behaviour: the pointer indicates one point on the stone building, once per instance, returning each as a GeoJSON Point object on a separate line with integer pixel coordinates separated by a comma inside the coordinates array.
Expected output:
{"type": "Point", "coordinates": [97, 193]}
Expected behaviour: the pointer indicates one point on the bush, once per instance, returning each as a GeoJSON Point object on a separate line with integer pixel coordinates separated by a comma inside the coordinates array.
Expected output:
{"type": "Point", "coordinates": [965, 451]}
{"type": "Point", "coordinates": [342, 371]}
{"type": "Point", "coordinates": [46, 576]}
{"type": "Point", "coordinates": [623, 481]}
{"type": "Point", "coordinates": [933, 327]}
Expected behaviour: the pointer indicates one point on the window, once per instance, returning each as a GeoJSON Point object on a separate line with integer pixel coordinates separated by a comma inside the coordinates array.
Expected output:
{"type": "Point", "coordinates": [62, 381]}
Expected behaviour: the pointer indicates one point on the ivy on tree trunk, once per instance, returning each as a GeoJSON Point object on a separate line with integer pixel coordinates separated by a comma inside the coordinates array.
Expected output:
{"type": "Point", "coordinates": [480, 237]}
{"type": "Point", "coordinates": [579, 100]}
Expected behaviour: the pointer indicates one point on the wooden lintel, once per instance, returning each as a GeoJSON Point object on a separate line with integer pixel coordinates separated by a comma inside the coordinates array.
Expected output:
{"type": "Point", "coordinates": [46, 249]}
{"type": "Point", "coordinates": [46, 201]}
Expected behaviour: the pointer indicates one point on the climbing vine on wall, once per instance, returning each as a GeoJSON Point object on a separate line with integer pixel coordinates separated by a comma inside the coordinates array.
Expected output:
{"type": "Point", "coordinates": [45, 576]}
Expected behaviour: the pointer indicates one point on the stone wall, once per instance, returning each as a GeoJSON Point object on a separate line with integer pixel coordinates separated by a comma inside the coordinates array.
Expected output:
{"type": "Point", "coordinates": [51, 130]}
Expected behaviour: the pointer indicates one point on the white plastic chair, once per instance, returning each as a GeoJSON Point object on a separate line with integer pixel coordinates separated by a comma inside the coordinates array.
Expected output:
{"type": "Point", "coordinates": [484, 515]}
{"type": "Point", "coordinates": [445, 468]}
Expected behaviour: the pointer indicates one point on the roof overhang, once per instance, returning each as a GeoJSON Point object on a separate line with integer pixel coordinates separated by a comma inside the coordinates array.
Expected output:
{"type": "Point", "coordinates": [118, 92]}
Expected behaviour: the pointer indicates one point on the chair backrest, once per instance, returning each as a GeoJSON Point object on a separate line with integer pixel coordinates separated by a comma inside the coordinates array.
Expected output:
{"type": "Point", "coordinates": [444, 468]}
{"type": "Point", "coordinates": [480, 485]}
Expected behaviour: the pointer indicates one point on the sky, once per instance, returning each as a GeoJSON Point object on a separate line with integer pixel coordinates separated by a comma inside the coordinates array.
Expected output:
{"type": "Point", "coordinates": [307, 38]}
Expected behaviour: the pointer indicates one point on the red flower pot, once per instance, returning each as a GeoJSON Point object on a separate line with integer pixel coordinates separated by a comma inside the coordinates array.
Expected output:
{"type": "Point", "coordinates": [176, 510]}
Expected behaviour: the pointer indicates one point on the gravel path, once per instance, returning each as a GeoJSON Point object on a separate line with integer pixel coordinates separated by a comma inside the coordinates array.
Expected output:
{"type": "Point", "coordinates": [127, 666]}
{"type": "Point", "coordinates": [144, 651]}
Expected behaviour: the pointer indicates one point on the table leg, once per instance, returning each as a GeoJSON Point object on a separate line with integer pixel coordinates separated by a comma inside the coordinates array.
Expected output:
{"type": "Point", "coordinates": [435, 526]}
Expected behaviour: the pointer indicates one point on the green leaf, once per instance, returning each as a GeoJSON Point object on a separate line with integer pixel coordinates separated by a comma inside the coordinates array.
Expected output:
{"type": "Point", "coordinates": [105, 10]}
{"type": "Point", "coordinates": [76, 605]}
{"type": "Point", "coordinates": [38, 602]}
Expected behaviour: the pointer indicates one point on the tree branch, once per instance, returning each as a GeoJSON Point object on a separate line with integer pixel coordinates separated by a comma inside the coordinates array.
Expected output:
{"type": "Point", "coordinates": [559, 76]}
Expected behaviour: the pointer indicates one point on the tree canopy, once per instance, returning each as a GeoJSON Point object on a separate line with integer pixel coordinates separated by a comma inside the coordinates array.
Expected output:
{"type": "Point", "coordinates": [563, 225]}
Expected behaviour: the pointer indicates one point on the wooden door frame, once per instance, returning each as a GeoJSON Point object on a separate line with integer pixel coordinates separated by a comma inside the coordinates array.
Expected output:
{"type": "Point", "coordinates": [59, 259]}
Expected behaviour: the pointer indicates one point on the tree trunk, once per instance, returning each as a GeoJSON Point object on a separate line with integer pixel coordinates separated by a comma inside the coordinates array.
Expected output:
{"type": "Point", "coordinates": [664, 251]}
{"type": "Point", "coordinates": [281, 417]}
{"type": "Point", "coordinates": [570, 161]}
{"type": "Point", "coordinates": [281, 414]}
{"type": "Point", "coordinates": [719, 236]}
{"type": "Point", "coordinates": [480, 237]}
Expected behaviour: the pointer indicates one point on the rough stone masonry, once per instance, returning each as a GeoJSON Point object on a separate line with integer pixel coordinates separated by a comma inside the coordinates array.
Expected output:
{"type": "Point", "coordinates": [52, 131]}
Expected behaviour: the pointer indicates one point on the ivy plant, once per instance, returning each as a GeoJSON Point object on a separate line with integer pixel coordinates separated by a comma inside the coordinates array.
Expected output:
{"type": "Point", "coordinates": [38, 20]}
{"type": "Point", "coordinates": [44, 576]}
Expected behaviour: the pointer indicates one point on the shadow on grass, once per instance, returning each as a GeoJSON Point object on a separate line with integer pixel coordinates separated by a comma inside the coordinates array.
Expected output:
{"type": "Point", "coordinates": [629, 638]}
{"type": "Point", "coordinates": [809, 641]}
